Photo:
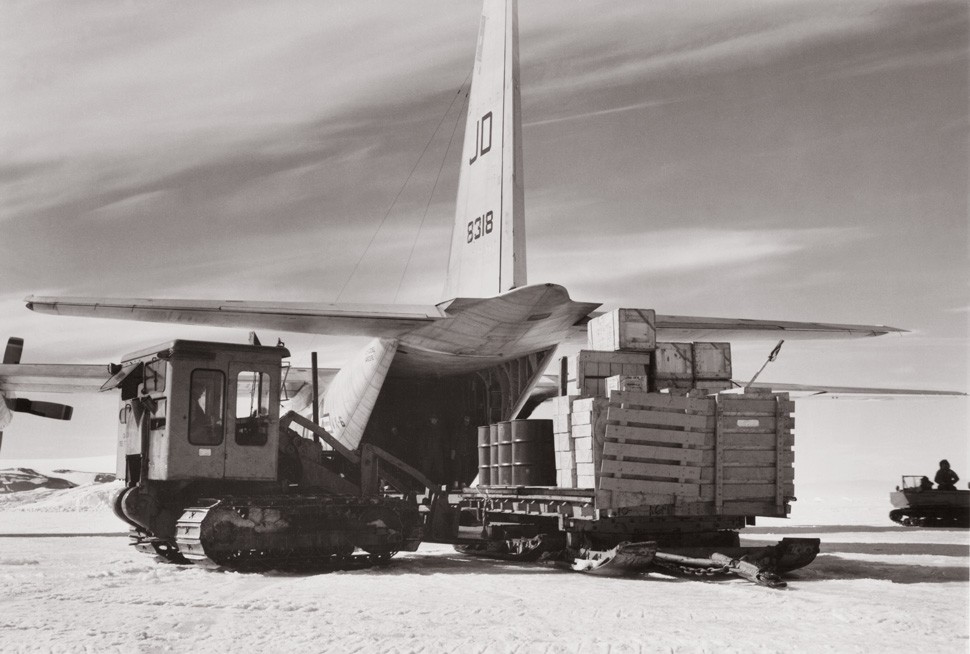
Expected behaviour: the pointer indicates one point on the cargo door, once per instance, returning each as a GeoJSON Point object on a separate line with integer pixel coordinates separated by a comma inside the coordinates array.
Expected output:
{"type": "Point", "coordinates": [253, 425]}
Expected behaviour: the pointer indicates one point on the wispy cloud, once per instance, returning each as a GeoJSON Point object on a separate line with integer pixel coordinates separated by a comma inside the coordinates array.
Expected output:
{"type": "Point", "coordinates": [674, 252]}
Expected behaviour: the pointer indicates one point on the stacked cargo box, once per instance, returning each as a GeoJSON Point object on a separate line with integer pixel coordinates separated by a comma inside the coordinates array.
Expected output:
{"type": "Point", "coordinates": [635, 423]}
{"type": "Point", "coordinates": [620, 356]}
{"type": "Point", "coordinates": [587, 426]}
{"type": "Point", "coordinates": [565, 453]}
{"type": "Point", "coordinates": [586, 373]}
{"type": "Point", "coordinates": [682, 367]}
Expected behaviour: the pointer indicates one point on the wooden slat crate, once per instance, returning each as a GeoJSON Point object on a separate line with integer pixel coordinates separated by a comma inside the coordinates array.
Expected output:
{"type": "Point", "coordinates": [674, 455]}
{"type": "Point", "coordinates": [650, 444]}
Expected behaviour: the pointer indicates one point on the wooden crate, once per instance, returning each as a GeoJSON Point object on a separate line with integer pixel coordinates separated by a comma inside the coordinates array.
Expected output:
{"type": "Point", "coordinates": [652, 444]}
{"type": "Point", "coordinates": [711, 360]}
{"type": "Point", "coordinates": [674, 361]}
{"type": "Point", "coordinates": [585, 373]}
{"type": "Point", "coordinates": [673, 455]}
{"type": "Point", "coordinates": [623, 330]}
{"type": "Point", "coordinates": [692, 361]}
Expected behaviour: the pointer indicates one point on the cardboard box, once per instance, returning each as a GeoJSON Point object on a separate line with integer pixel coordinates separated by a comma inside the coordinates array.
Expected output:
{"type": "Point", "coordinates": [584, 449]}
{"type": "Point", "coordinates": [562, 404]}
{"type": "Point", "coordinates": [631, 330]}
{"type": "Point", "coordinates": [560, 423]}
{"type": "Point", "coordinates": [566, 478]}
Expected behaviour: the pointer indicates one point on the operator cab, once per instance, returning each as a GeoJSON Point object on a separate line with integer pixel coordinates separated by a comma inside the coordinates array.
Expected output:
{"type": "Point", "coordinates": [199, 410]}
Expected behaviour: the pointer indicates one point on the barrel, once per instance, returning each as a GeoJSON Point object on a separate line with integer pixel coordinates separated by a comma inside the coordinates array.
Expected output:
{"type": "Point", "coordinates": [484, 456]}
{"type": "Point", "coordinates": [493, 453]}
{"type": "Point", "coordinates": [533, 453]}
{"type": "Point", "coordinates": [504, 454]}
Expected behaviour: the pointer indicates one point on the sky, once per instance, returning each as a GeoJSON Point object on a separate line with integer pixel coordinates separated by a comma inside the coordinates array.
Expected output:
{"type": "Point", "coordinates": [791, 159]}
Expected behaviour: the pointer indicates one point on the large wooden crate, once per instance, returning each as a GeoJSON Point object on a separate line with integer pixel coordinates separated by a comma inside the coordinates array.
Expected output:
{"type": "Point", "coordinates": [664, 454]}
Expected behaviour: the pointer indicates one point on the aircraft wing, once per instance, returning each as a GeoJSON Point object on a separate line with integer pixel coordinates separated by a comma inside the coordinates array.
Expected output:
{"type": "Point", "coordinates": [699, 329]}
{"type": "Point", "coordinates": [389, 321]}
{"type": "Point", "coordinates": [384, 321]}
{"type": "Point", "coordinates": [852, 392]}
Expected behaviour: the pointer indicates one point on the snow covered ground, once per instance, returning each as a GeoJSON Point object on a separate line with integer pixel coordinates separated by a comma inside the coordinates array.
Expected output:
{"type": "Point", "coordinates": [71, 583]}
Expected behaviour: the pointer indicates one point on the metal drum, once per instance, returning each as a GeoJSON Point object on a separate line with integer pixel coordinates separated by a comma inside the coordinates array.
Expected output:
{"type": "Point", "coordinates": [504, 455]}
{"type": "Point", "coordinates": [493, 453]}
{"type": "Point", "coordinates": [533, 453]}
{"type": "Point", "coordinates": [484, 456]}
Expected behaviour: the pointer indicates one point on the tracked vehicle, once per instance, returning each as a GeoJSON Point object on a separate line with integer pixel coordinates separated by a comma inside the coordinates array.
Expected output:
{"type": "Point", "coordinates": [918, 507]}
{"type": "Point", "coordinates": [214, 476]}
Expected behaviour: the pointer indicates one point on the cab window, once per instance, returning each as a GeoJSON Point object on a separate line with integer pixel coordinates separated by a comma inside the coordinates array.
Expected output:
{"type": "Point", "coordinates": [206, 407]}
{"type": "Point", "coordinates": [252, 407]}
{"type": "Point", "coordinates": [155, 377]}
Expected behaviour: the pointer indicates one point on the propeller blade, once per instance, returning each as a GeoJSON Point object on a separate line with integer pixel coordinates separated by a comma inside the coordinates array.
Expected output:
{"type": "Point", "coordinates": [15, 347]}
{"type": "Point", "coordinates": [5, 416]}
{"type": "Point", "coordinates": [42, 409]}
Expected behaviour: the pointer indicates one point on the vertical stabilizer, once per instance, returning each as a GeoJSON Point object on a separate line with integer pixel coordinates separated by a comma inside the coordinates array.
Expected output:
{"type": "Point", "coordinates": [488, 241]}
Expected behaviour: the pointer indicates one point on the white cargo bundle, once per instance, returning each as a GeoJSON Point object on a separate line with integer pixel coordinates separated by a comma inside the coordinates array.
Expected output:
{"type": "Point", "coordinates": [638, 383]}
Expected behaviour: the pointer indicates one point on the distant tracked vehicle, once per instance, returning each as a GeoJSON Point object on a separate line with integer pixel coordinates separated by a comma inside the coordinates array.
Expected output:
{"type": "Point", "coordinates": [917, 507]}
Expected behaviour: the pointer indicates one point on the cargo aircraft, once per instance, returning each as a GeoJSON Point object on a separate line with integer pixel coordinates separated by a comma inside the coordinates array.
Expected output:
{"type": "Point", "coordinates": [478, 355]}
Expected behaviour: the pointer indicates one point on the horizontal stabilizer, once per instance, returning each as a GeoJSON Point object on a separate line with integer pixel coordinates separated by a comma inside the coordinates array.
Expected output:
{"type": "Point", "coordinates": [699, 329]}
{"type": "Point", "coordinates": [853, 392]}
{"type": "Point", "coordinates": [302, 317]}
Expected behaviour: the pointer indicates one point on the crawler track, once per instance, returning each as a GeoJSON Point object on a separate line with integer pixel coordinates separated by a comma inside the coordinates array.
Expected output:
{"type": "Point", "coordinates": [296, 532]}
{"type": "Point", "coordinates": [942, 517]}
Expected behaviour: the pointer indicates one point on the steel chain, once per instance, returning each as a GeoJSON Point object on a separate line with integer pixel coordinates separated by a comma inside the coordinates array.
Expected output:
{"type": "Point", "coordinates": [706, 571]}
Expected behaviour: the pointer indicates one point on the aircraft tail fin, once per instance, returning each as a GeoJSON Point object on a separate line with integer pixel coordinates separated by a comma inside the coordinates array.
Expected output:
{"type": "Point", "coordinates": [488, 239]}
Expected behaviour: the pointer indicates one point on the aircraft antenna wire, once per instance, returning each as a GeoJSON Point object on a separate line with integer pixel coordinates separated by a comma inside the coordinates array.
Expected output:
{"type": "Point", "coordinates": [434, 187]}
{"type": "Point", "coordinates": [401, 190]}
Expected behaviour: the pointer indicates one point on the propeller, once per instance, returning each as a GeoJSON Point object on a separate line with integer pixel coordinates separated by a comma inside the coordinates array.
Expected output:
{"type": "Point", "coordinates": [54, 410]}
